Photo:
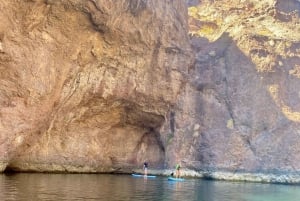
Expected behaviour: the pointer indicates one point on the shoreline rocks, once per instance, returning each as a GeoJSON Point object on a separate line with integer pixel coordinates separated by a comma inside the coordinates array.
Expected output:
{"type": "Point", "coordinates": [230, 176]}
{"type": "Point", "coordinates": [277, 178]}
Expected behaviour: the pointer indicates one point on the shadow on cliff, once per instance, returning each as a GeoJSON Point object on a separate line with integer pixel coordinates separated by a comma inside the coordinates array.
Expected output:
{"type": "Point", "coordinates": [235, 123]}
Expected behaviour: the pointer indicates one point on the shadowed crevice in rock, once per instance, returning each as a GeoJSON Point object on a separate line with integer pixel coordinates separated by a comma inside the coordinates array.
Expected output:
{"type": "Point", "coordinates": [287, 7]}
{"type": "Point", "coordinates": [137, 6]}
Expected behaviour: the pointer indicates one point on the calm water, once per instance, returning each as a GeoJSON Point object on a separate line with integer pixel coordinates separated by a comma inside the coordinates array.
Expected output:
{"type": "Point", "coordinates": [34, 187]}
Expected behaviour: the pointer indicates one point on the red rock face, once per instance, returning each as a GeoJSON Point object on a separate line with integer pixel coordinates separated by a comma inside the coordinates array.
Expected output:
{"type": "Point", "coordinates": [85, 85]}
{"type": "Point", "coordinates": [102, 85]}
{"type": "Point", "coordinates": [240, 108]}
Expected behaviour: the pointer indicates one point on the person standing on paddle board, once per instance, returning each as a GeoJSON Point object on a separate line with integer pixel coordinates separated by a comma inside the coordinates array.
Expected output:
{"type": "Point", "coordinates": [177, 170]}
{"type": "Point", "coordinates": [145, 167]}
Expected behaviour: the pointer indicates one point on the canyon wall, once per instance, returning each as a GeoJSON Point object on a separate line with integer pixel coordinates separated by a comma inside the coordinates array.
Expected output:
{"type": "Point", "coordinates": [103, 85]}
{"type": "Point", "coordinates": [85, 85]}
{"type": "Point", "coordinates": [240, 111]}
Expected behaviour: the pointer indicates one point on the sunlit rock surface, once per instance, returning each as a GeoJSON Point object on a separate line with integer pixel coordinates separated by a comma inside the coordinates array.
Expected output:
{"type": "Point", "coordinates": [240, 110]}
{"type": "Point", "coordinates": [102, 85]}
{"type": "Point", "coordinates": [85, 84]}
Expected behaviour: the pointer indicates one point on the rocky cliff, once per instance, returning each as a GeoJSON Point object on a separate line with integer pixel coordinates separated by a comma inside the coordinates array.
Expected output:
{"type": "Point", "coordinates": [239, 112]}
{"type": "Point", "coordinates": [85, 85]}
{"type": "Point", "coordinates": [102, 85]}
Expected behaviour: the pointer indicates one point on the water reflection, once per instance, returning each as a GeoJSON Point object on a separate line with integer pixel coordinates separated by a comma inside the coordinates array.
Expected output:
{"type": "Point", "coordinates": [16, 187]}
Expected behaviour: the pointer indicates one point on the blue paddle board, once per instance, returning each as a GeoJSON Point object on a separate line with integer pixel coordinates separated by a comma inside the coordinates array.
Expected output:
{"type": "Point", "coordinates": [142, 175]}
{"type": "Point", "coordinates": [175, 179]}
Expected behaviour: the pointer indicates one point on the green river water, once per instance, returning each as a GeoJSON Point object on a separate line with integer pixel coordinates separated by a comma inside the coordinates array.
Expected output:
{"type": "Point", "coordinates": [35, 187]}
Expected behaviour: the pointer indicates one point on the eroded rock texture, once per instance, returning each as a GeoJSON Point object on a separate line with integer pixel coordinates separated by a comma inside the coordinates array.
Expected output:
{"type": "Point", "coordinates": [85, 84]}
{"type": "Point", "coordinates": [102, 85]}
{"type": "Point", "coordinates": [240, 110]}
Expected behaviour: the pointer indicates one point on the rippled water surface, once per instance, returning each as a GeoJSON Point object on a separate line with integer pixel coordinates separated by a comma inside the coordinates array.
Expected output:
{"type": "Point", "coordinates": [34, 187]}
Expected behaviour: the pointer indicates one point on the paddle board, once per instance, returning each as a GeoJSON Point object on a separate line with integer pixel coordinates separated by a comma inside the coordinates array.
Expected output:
{"type": "Point", "coordinates": [175, 179]}
{"type": "Point", "coordinates": [142, 175]}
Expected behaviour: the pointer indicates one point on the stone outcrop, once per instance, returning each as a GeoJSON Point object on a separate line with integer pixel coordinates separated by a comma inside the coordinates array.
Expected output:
{"type": "Point", "coordinates": [239, 112]}
{"type": "Point", "coordinates": [85, 85]}
{"type": "Point", "coordinates": [102, 85]}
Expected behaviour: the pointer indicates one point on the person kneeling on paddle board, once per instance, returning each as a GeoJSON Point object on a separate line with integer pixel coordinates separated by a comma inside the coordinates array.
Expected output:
{"type": "Point", "coordinates": [145, 168]}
